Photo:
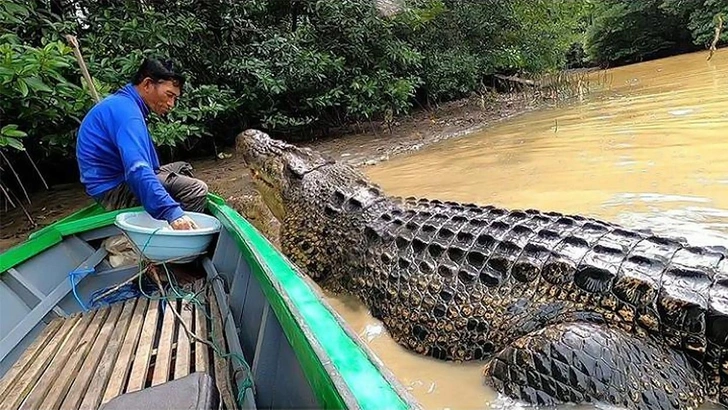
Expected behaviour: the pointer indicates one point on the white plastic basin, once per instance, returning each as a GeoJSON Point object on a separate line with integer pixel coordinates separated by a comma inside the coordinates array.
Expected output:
{"type": "Point", "coordinates": [157, 240]}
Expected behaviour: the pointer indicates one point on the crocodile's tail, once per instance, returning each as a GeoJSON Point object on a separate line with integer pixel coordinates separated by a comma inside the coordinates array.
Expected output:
{"type": "Point", "coordinates": [674, 291]}
{"type": "Point", "coordinates": [591, 363]}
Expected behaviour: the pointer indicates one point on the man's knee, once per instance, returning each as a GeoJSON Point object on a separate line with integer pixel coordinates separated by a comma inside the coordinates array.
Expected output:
{"type": "Point", "coordinates": [120, 197]}
{"type": "Point", "coordinates": [194, 197]}
{"type": "Point", "coordinates": [200, 188]}
{"type": "Point", "coordinates": [178, 167]}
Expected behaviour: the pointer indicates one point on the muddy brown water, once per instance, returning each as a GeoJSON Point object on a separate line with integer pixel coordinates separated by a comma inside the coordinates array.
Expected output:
{"type": "Point", "coordinates": [648, 149]}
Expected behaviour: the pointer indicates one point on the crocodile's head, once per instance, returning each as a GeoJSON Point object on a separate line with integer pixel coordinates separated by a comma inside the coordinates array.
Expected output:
{"type": "Point", "coordinates": [322, 205]}
{"type": "Point", "coordinates": [278, 169]}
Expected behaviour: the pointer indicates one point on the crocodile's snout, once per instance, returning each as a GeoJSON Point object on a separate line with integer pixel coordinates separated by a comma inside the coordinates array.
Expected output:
{"type": "Point", "coordinates": [276, 167]}
{"type": "Point", "coordinates": [253, 145]}
{"type": "Point", "coordinates": [264, 156]}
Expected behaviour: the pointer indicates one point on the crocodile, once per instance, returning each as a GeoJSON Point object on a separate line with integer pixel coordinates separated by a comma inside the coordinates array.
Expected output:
{"type": "Point", "coordinates": [559, 308]}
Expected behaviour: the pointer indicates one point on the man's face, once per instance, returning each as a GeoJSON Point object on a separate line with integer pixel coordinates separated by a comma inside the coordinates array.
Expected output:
{"type": "Point", "coordinates": [160, 97]}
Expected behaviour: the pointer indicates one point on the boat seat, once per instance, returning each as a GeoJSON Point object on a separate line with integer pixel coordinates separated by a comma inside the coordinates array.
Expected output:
{"type": "Point", "coordinates": [194, 392]}
{"type": "Point", "coordinates": [86, 360]}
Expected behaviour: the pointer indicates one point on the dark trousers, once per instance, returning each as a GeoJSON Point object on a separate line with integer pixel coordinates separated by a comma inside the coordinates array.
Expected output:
{"type": "Point", "coordinates": [177, 179]}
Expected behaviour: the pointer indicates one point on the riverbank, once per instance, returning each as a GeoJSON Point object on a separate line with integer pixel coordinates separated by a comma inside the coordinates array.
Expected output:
{"type": "Point", "coordinates": [229, 177]}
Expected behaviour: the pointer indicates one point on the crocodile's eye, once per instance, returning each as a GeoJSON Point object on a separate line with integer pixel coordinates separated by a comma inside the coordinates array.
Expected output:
{"type": "Point", "coordinates": [297, 166]}
{"type": "Point", "coordinates": [296, 172]}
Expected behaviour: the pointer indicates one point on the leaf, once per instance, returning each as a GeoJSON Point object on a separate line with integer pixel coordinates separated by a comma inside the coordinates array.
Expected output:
{"type": "Point", "coordinates": [4, 71]}
{"type": "Point", "coordinates": [16, 9]}
{"type": "Point", "coordinates": [22, 87]}
{"type": "Point", "coordinates": [11, 130]}
{"type": "Point", "coordinates": [58, 64]}
{"type": "Point", "coordinates": [15, 144]}
{"type": "Point", "coordinates": [38, 84]}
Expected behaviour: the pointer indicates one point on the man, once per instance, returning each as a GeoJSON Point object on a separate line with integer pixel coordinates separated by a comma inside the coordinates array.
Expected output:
{"type": "Point", "coordinates": [116, 157]}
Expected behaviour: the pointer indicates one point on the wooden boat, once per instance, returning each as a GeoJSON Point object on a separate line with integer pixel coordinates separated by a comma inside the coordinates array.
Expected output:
{"type": "Point", "coordinates": [267, 337]}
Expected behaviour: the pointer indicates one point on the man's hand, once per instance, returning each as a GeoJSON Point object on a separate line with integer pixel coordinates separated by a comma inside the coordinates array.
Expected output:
{"type": "Point", "coordinates": [183, 223]}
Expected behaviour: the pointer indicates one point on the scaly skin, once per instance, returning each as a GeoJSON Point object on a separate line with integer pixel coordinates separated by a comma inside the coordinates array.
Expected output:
{"type": "Point", "coordinates": [563, 308]}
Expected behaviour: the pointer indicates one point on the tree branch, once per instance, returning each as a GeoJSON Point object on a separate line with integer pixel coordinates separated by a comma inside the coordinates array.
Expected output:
{"type": "Point", "coordinates": [718, 28]}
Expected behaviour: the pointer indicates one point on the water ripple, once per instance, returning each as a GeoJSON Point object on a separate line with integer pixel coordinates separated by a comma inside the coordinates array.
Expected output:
{"type": "Point", "coordinates": [699, 226]}
{"type": "Point", "coordinates": [628, 197]}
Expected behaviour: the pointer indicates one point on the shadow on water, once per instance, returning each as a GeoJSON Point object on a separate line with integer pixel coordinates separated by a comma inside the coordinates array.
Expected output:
{"type": "Point", "coordinates": [646, 150]}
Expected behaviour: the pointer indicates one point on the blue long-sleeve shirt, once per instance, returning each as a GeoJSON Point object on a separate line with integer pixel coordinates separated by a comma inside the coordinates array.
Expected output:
{"type": "Point", "coordinates": [114, 146]}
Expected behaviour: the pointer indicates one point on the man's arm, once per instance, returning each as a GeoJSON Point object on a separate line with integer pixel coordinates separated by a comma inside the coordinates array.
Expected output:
{"type": "Point", "coordinates": [139, 174]}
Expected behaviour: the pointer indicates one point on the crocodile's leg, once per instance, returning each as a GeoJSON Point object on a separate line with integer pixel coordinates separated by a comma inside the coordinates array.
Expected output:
{"type": "Point", "coordinates": [589, 363]}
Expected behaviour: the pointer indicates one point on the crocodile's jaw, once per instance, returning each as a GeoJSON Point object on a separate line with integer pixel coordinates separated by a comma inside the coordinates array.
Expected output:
{"type": "Point", "coordinates": [277, 168]}
{"type": "Point", "coordinates": [271, 196]}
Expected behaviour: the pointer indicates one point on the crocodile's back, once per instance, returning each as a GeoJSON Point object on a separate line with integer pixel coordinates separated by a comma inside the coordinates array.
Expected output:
{"type": "Point", "coordinates": [459, 281]}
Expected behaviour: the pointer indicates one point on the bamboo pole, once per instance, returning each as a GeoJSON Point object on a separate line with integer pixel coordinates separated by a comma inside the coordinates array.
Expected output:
{"type": "Point", "coordinates": [77, 51]}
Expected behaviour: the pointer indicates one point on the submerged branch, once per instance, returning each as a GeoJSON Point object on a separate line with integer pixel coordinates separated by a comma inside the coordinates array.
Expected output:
{"type": "Point", "coordinates": [718, 29]}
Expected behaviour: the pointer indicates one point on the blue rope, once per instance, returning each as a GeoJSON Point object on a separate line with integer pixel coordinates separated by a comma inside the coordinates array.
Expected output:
{"type": "Point", "coordinates": [128, 291]}
{"type": "Point", "coordinates": [111, 298]}
{"type": "Point", "coordinates": [71, 277]}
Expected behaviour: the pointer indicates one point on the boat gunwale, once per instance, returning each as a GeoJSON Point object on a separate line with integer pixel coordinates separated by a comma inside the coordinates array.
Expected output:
{"type": "Point", "coordinates": [345, 374]}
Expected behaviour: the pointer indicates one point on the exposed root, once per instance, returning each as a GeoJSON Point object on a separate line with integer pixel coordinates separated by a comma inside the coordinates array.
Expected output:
{"type": "Point", "coordinates": [36, 169]}
{"type": "Point", "coordinates": [7, 161]}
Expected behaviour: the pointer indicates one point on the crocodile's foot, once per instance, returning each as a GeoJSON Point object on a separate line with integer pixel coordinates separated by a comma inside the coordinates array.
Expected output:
{"type": "Point", "coordinates": [590, 363]}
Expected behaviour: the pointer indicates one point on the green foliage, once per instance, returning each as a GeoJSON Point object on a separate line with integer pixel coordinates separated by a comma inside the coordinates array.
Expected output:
{"type": "Point", "coordinates": [464, 42]}
{"type": "Point", "coordinates": [342, 63]}
{"type": "Point", "coordinates": [120, 37]}
{"type": "Point", "coordinates": [452, 74]}
{"type": "Point", "coordinates": [700, 18]}
{"type": "Point", "coordinates": [36, 95]}
{"type": "Point", "coordinates": [9, 135]}
{"type": "Point", "coordinates": [626, 31]}
{"type": "Point", "coordinates": [293, 67]}
{"type": "Point", "coordinates": [194, 118]}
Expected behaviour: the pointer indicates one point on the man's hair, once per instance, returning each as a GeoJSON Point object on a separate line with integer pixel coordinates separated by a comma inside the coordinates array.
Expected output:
{"type": "Point", "coordinates": [158, 70]}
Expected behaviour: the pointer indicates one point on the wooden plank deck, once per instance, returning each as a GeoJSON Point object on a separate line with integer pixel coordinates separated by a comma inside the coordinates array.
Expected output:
{"type": "Point", "coordinates": [83, 361]}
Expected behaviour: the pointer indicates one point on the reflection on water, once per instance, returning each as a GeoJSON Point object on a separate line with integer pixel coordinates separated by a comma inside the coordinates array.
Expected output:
{"type": "Point", "coordinates": [648, 151]}
{"type": "Point", "coordinates": [698, 225]}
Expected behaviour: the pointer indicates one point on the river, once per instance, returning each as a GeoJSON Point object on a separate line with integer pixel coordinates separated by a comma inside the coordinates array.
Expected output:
{"type": "Point", "coordinates": [647, 149]}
